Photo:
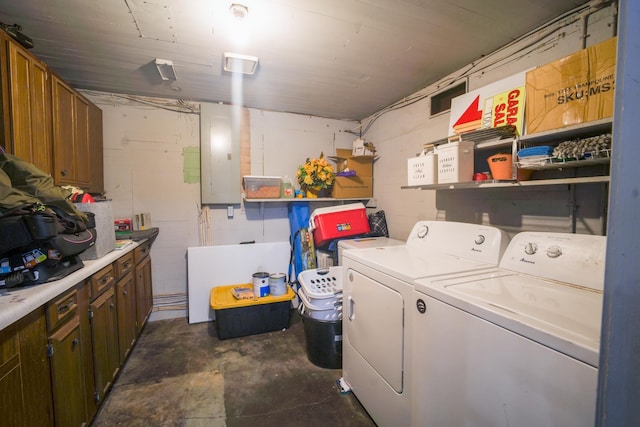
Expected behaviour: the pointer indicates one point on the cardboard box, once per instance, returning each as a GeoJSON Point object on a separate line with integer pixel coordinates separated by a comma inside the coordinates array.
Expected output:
{"type": "Point", "coordinates": [362, 165]}
{"type": "Point", "coordinates": [576, 89]}
{"type": "Point", "coordinates": [105, 234]}
{"type": "Point", "coordinates": [242, 317]}
{"type": "Point", "coordinates": [353, 187]}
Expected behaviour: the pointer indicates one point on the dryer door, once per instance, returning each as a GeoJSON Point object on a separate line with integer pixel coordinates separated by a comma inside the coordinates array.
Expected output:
{"type": "Point", "coordinates": [373, 315]}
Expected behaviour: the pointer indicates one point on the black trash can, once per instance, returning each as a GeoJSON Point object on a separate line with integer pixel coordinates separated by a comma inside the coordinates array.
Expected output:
{"type": "Point", "coordinates": [323, 341]}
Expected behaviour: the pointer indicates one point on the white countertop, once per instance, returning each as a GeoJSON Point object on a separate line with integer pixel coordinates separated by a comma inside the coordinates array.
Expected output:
{"type": "Point", "coordinates": [15, 303]}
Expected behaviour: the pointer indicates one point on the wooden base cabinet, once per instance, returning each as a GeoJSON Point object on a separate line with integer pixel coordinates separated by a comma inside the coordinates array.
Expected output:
{"type": "Point", "coordinates": [25, 382]}
{"type": "Point", "coordinates": [67, 349]}
{"type": "Point", "coordinates": [58, 363]}
{"type": "Point", "coordinates": [144, 288]}
{"type": "Point", "coordinates": [104, 332]}
{"type": "Point", "coordinates": [126, 299]}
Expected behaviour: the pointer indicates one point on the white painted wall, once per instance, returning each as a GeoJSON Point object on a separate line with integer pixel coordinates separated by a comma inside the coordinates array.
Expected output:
{"type": "Point", "coordinates": [143, 159]}
{"type": "Point", "coordinates": [143, 163]}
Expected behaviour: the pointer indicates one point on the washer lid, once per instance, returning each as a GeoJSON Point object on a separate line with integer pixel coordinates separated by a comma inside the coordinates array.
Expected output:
{"type": "Point", "coordinates": [404, 263]}
{"type": "Point", "coordinates": [561, 316]}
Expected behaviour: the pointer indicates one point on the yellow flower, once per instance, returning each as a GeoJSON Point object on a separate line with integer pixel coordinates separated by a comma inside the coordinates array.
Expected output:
{"type": "Point", "coordinates": [316, 173]}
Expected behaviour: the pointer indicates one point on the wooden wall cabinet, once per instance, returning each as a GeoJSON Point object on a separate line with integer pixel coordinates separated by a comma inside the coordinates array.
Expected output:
{"type": "Point", "coordinates": [70, 135]}
{"type": "Point", "coordinates": [48, 123]}
{"type": "Point", "coordinates": [96, 143]}
{"type": "Point", "coordinates": [26, 108]}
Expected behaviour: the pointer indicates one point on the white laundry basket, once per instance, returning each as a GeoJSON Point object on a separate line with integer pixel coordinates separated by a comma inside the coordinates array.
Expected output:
{"type": "Point", "coordinates": [321, 312]}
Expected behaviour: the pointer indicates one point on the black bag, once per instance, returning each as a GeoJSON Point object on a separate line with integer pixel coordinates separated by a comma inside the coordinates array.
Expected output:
{"type": "Point", "coordinates": [41, 231]}
{"type": "Point", "coordinates": [378, 224]}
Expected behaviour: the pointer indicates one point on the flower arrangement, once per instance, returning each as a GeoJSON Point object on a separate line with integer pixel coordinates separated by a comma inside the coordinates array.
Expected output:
{"type": "Point", "coordinates": [316, 173]}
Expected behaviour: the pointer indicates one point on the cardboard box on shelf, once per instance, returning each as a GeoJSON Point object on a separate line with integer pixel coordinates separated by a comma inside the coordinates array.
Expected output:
{"type": "Point", "coordinates": [353, 187]}
{"type": "Point", "coordinates": [575, 89]}
{"type": "Point", "coordinates": [361, 165]}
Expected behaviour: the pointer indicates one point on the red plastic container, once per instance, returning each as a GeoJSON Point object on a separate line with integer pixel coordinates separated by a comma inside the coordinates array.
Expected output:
{"type": "Point", "coordinates": [337, 222]}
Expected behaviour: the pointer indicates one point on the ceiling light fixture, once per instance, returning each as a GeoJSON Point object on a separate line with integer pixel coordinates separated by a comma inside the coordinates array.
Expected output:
{"type": "Point", "coordinates": [166, 70]}
{"type": "Point", "coordinates": [236, 63]}
{"type": "Point", "coordinates": [239, 11]}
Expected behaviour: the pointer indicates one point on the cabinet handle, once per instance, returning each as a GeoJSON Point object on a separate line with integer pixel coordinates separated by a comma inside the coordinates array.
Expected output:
{"type": "Point", "coordinates": [66, 307]}
{"type": "Point", "coordinates": [63, 172]}
{"type": "Point", "coordinates": [125, 293]}
{"type": "Point", "coordinates": [75, 341]}
{"type": "Point", "coordinates": [111, 306]}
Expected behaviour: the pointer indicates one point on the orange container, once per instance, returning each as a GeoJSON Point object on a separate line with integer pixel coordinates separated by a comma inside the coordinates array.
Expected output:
{"type": "Point", "coordinates": [501, 166]}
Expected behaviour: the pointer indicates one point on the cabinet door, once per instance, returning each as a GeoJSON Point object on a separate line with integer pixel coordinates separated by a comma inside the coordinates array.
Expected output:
{"type": "Point", "coordinates": [96, 153]}
{"type": "Point", "coordinates": [144, 291]}
{"type": "Point", "coordinates": [126, 299]}
{"type": "Point", "coordinates": [67, 375]}
{"type": "Point", "coordinates": [25, 385]}
{"type": "Point", "coordinates": [30, 108]}
{"type": "Point", "coordinates": [104, 324]}
{"type": "Point", "coordinates": [63, 100]}
{"type": "Point", "coordinates": [81, 139]}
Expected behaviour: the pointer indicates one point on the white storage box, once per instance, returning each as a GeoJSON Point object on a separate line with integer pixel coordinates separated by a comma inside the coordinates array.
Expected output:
{"type": "Point", "coordinates": [455, 162]}
{"type": "Point", "coordinates": [421, 170]}
{"type": "Point", "coordinates": [105, 234]}
{"type": "Point", "coordinates": [262, 187]}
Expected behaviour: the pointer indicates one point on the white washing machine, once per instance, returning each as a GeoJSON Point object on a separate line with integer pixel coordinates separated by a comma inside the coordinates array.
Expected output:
{"type": "Point", "coordinates": [516, 346]}
{"type": "Point", "coordinates": [365, 242]}
{"type": "Point", "coordinates": [377, 294]}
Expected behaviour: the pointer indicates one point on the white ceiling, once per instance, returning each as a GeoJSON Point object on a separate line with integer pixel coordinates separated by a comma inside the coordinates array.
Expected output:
{"type": "Point", "coordinates": [341, 59]}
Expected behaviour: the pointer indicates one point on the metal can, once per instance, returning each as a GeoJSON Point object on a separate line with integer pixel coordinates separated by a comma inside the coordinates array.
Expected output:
{"type": "Point", "coordinates": [261, 284]}
{"type": "Point", "coordinates": [277, 284]}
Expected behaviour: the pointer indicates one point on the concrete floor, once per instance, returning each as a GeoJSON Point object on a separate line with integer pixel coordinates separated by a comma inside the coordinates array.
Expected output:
{"type": "Point", "coordinates": [182, 375]}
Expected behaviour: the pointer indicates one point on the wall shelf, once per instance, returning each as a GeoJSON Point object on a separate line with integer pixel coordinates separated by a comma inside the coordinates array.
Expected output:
{"type": "Point", "coordinates": [509, 184]}
{"type": "Point", "coordinates": [304, 199]}
{"type": "Point", "coordinates": [263, 202]}
{"type": "Point", "coordinates": [503, 137]}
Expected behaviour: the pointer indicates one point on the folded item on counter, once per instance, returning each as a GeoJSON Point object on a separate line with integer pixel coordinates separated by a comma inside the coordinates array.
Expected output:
{"type": "Point", "coordinates": [542, 150]}
{"type": "Point", "coordinates": [533, 160]}
{"type": "Point", "coordinates": [242, 292]}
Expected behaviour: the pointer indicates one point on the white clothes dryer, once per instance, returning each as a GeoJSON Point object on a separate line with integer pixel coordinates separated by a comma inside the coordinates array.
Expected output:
{"type": "Point", "coordinates": [517, 345]}
{"type": "Point", "coordinates": [377, 293]}
{"type": "Point", "coordinates": [365, 242]}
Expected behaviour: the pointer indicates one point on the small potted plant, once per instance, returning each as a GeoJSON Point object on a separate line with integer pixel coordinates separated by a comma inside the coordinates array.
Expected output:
{"type": "Point", "coordinates": [316, 177]}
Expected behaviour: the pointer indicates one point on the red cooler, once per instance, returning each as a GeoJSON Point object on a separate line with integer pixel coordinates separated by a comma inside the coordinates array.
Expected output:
{"type": "Point", "coordinates": [336, 222]}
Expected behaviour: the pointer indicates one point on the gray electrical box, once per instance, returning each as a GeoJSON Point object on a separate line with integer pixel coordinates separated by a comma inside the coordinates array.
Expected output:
{"type": "Point", "coordinates": [220, 180]}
